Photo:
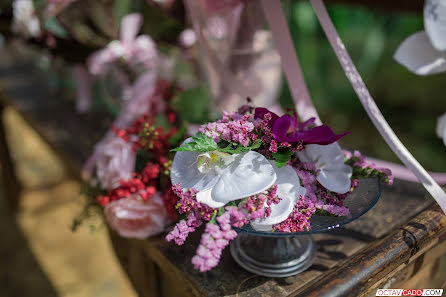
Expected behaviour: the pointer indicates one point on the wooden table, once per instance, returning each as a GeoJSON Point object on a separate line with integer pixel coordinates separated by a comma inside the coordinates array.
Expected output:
{"type": "Point", "coordinates": [397, 244]}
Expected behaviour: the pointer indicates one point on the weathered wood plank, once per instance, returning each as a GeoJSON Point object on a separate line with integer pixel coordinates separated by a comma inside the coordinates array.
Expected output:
{"type": "Point", "coordinates": [416, 274]}
{"type": "Point", "coordinates": [397, 204]}
{"type": "Point", "coordinates": [380, 258]}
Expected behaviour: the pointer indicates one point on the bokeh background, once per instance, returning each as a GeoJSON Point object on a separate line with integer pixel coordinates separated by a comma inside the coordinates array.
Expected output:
{"type": "Point", "coordinates": [41, 257]}
{"type": "Point", "coordinates": [410, 103]}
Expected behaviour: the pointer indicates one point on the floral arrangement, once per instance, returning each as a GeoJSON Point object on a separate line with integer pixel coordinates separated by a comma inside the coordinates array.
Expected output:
{"type": "Point", "coordinates": [255, 168]}
{"type": "Point", "coordinates": [252, 168]}
{"type": "Point", "coordinates": [131, 172]}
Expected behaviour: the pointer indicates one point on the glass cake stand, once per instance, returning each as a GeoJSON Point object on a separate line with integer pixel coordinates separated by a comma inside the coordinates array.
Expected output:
{"type": "Point", "coordinates": [280, 254]}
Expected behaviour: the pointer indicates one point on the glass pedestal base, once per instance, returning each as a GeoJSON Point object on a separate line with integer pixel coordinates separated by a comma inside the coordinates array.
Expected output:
{"type": "Point", "coordinates": [273, 256]}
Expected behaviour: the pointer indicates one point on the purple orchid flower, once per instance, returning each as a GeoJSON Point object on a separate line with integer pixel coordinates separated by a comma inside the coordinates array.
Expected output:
{"type": "Point", "coordinates": [288, 129]}
{"type": "Point", "coordinates": [260, 112]}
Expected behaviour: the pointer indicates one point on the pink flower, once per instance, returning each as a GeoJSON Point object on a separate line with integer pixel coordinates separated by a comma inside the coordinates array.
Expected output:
{"type": "Point", "coordinates": [134, 50]}
{"type": "Point", "coordinates": [115, 161]}
{"type": "Point", "coordinates": [214, 239]}
{"type": "Point", "coordinates": [131, 217]}
{"type": "Point", "coordinates": [182, 229]}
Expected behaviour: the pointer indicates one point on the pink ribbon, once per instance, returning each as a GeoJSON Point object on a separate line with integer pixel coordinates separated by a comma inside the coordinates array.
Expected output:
{"type": "Point", "coordinates": [290, 62]}
{"type": "Point", "coordinates": [276, 20]}
{"type": "Point", "coordinates": [401, 171]}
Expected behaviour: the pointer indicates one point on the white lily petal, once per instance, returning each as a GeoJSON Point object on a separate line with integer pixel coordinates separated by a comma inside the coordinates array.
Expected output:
{"type": "Point", "coordinates": [184, 170]}
{"type": "Point", "coordinates": [417, 54]}
{"type": "Point", "coordinates": [329, 159]}
{"type": "Point", "coordinates": [205, 196]}
{"type": "Point", "coordinates": [249, 174]}
{"type": "Point", "coordinates": [435, 22]}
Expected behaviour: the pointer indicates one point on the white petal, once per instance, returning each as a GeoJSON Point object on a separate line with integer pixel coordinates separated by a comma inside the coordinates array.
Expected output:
{"type": "Point", "coordinates": [205, 196]}
{"type": "Point", "coordinates": [289, 189]}
{"type": "Point", "coordinates": [279, 213]}
{"type": "Point", "coordinates": [441, 127]}
{"type": "Point", "coordinates": [435, 22]}
{"type": "Point", "coordinates": [418, 55]}
{"type": "Point", "coordinates": [334, 175]}
{"type": "Point", "coordinates": [444, 136]}
{"type": "Point", "coordinates": [322, 155]}
{"type": "Point", "coordinates": [288, 183]}
{"type": "Point", "coordinates": [336, 180]}
{"type": "Point", "coordinates": [249, 174]}
{"type": "Point", "coordinates": [184, 170]}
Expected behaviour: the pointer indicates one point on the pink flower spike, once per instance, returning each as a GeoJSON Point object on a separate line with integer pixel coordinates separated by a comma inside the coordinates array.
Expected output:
{"type": "Point", "coordinates": [213, 241]}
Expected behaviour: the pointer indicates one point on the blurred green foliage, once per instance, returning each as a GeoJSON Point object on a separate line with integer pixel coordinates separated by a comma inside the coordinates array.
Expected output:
{"type": "Point", "coordinates": [410, 103]}
{"type": "Point", "coordinates": [193, 104]}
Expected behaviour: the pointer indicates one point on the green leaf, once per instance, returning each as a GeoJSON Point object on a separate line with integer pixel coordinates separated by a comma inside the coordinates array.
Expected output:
{"type": "Point", "coordinates": [178, 137]}
{"type": "Point", "coordinates": [162, 121]}
{"type": "Point", "coordinates": [193, 104]}
{"type": "Point", "coordinates": [200, 143]}
{"type": "Point", "coordinates": [99, 101]}
{"type": "Point", "coordinates": [237, 148]}
{"type": "Point", "coordinates": [214, 217]}
{"type": "Point", "coordinates": [53, 25]}
{"type": "Point", "coordinates": [282, 158]}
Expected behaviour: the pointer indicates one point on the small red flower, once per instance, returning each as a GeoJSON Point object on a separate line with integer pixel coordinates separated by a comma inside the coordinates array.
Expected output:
{"type": "Point", "coordinates": [103, 200]}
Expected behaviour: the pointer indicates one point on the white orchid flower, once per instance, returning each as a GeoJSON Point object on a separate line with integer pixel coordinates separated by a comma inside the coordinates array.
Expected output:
{"type": "Point", "coordinates": [329, 159]}
{"type": "Point", "coordinates": [288, 189]}
{"type": "Point", "coordinates": [441, 128]}
{"type": "Point", "coordinates": [219, 177]}
{"type": "Point", "coordinates": [424, 52]}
